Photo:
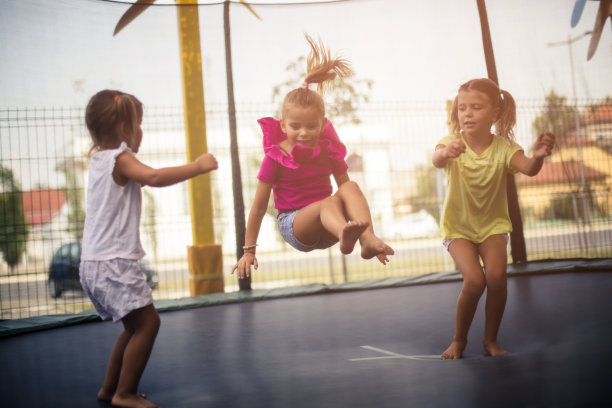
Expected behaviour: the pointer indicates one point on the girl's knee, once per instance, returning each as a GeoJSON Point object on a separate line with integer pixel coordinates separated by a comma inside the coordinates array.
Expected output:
{"type": "Point", "coordinates": [349, 185]}
{"type": "Point", "coordinates": [474, 286]}
{"type": "Point", "coordinates": [150, 327]}
{"type": "Point", "coordinates": [349, 191]}
{"type": "Point", "coordinates": [145, 319]}
{"type": "Point", "coordinates": [331, 200]}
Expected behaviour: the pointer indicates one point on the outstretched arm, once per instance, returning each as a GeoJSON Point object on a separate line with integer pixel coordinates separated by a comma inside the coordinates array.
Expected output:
{"type": "Point", "coordinates": [128, 167]}
{"type": "Point", "coordinates": [258, 211]}
{"type": "Point", "coordinates": [532, 165]}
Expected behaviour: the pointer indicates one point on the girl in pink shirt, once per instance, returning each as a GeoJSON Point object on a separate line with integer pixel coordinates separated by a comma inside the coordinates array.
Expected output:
{"type": "Point", "coordinates": [302, 151]}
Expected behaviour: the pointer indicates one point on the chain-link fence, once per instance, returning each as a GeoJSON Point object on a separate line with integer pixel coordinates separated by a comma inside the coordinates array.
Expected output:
{"type": "Point", "coordinates": [565, 209]}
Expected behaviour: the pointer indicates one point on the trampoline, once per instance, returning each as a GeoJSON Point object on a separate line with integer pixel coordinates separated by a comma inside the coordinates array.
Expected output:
{"type": "Point", "coordinates": [355, 348]}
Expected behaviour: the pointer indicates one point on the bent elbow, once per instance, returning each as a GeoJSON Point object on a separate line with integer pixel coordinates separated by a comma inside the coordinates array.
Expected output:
{"type": "Point", "coordinates": [154, 179]}
{"type": "Point", "coordinates": [438, 164]}
{"type": "Point", "coordinates": [535, 170]}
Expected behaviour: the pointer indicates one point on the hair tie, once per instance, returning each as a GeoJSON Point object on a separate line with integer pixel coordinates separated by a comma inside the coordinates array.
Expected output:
{"type": "Point", "coordinates": [304, 85]}
{"type": "Point", "coordinates": [116, 97]}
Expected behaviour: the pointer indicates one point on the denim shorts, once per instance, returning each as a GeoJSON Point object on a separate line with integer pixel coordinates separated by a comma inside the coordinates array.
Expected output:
{"type": "Point", "coordinates": [285, 226]}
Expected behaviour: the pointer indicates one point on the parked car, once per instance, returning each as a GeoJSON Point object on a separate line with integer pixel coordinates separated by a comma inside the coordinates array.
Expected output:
{"type": "Point", "coordinates": [415, 225]}
{"type": "Point", "coordinates": [64, 270]}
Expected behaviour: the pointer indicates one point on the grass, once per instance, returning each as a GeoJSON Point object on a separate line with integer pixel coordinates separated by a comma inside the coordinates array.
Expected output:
{"type": "Point", "coordinates": [294, 273]}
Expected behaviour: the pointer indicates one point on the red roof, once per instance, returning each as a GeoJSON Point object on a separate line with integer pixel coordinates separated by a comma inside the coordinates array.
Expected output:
{"type": "Point", "coordinates": [561, 172]}
{"type": "Point", "coordinates": [42, 205]}
{"type": "Point", "coordinates": [602, 114]}
{"type": "Point", "coordinates": [572, 141]}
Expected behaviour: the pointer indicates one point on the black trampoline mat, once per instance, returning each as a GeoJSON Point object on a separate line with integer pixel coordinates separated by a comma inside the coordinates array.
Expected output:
{"type": "Point", "coordinates": [368, 348]}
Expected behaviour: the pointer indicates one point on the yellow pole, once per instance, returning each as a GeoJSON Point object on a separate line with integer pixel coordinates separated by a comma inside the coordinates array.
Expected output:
{"type": "Point", "coordinates": [204, 256]}
{"type": "Point", "coordinates": [449, 106]}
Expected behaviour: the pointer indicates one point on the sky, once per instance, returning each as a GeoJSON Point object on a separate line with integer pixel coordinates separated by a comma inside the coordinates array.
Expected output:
{"type": "Point", "coordinates": [57, 54]}
{"type": "Point", "coordinates": [60, 53]}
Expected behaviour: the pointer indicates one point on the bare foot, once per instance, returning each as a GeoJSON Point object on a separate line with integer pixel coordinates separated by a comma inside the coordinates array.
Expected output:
{"type": "Point", "coordinates": [132, 401]}
{"type": "Point", "coordinates": [372, 246]}
{"type": "Point", "coordinates": [454, 351]}
{"type": "Point", "coordinates": [350, 234]}
{"type": "Point", "coordinates": [492, 348]}
{"type": "Point", "coordinates": [106, 396]}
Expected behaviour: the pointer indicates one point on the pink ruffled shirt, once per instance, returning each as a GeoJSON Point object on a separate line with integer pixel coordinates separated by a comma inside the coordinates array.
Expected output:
{"type": "Point", "coordinates": [303, 176]}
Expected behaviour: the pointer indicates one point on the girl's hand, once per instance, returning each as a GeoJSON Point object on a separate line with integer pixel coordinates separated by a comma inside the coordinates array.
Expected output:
{"type": "Point", "coordinates": [244, 265]}
{"type": "Point", "coordinates": [544, 145]}
{"type": "Point", "coordinates": [207, 162]}
{"type": "Point", "coordinates": [454, 149]}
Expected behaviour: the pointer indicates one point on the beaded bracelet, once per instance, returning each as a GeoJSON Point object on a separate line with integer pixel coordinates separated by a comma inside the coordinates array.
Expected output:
{"type": "Point", "coordinates": [244, 248]}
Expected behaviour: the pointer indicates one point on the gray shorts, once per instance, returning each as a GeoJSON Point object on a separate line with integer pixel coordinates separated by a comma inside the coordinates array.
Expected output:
{"type": "Point", "coordinates": [116, 287]}
{"type": "Point", "coordinates": [285, 226]}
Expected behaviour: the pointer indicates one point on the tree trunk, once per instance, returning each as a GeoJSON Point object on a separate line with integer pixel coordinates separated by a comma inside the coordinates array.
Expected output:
{"type": "Point", "coordinates": [517, 239]}
{"type": "Point", "coordinates": [239, 224]}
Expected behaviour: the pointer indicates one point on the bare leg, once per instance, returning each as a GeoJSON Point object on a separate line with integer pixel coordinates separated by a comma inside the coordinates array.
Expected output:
{"type": "Point", "coordinates": [327, 218]}
{"type": "Point", "coordinates": [308, 224]}
{"type": "Point", "coordinates": [334, 221]}
{"type": "Point", "coordinates": [358, 211]}
{"type": "Point", "coordinates": [114, 367]}
{"type": "Point", "coordinates": [494, 255]}
{"type": "Point", "coordinates": [144, 324]}
{"type": "Point", "coordinates": [344, 216]}
{"type": "Point", "coordinates": [465, 255]}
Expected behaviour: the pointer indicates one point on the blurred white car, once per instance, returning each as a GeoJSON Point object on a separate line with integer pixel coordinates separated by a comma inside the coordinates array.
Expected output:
{"type": "Point", "coordinates": [415, 225]}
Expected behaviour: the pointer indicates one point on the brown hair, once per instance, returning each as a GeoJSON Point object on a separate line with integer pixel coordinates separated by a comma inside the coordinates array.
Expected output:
{"type": "Point", "coordinates": [500, 99]}
{"type": "Point", "coordinates": [106, 111]}
{"type": "Point", "coordinates": [321, 69]}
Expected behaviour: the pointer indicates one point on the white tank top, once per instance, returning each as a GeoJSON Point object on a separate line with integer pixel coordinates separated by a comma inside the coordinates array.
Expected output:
{"type": "Point", "coordinates": [112, 220]}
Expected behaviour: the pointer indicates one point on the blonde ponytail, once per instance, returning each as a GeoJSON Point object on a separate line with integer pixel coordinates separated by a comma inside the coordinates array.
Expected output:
{"type": "Point", "coordinates": [321, 69]}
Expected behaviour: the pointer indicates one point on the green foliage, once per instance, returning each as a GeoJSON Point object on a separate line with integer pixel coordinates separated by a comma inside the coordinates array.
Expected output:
{"type": "Point", "coordinates": [341, 102]}
{"type": "Point", "coordinates": [561, 119]}
{"type": "Point", "coordinates": [606, 101]}
{"type": "Point", "coordinates": [569, 207]}
{"type": "Point", "coordinates": [13, 226]}
{"type": "Point", "coordinates": [562, 208]}
{"type": "Point", "coordinates": [557, 117]}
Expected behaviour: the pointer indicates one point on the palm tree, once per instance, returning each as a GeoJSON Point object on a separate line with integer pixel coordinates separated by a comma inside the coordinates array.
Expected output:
{"type": "Point", "coordinates": [13, 224]}
{"type": "Point", "coordinates": [239, 224]}
{"type": "Point", "coordinates": [134, 11]}
{"type": "Point", "coordinates": [517, 238]}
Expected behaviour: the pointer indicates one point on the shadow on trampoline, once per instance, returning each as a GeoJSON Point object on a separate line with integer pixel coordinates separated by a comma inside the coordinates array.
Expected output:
{"type": "Point", "coordinates": [357, 348]}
